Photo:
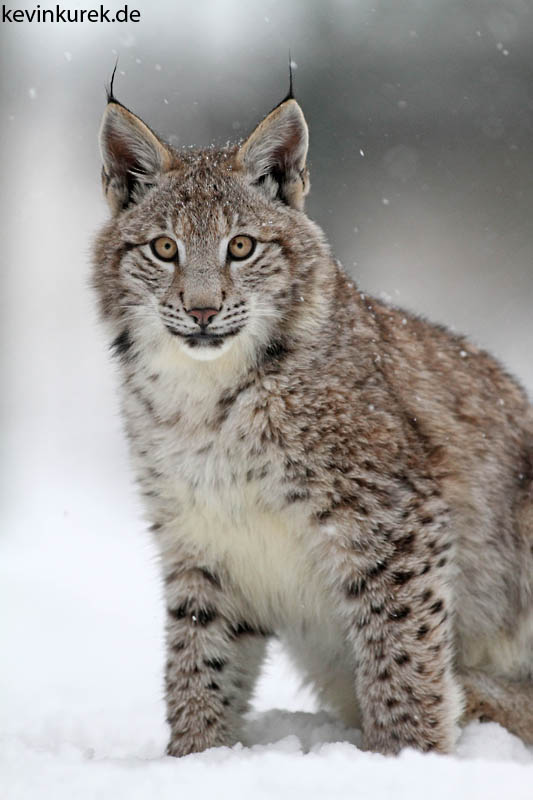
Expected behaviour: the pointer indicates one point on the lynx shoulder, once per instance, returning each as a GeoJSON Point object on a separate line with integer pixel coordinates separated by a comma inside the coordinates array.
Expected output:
{"type": "Point", "coordinates": [315, 465]}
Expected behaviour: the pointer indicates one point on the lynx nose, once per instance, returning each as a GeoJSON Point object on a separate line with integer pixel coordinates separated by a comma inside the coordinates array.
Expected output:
{"type": "Point", "coordinates": [203, 316]}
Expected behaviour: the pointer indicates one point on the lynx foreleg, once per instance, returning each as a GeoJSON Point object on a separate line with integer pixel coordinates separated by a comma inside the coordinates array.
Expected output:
{"type": "Point", "coordinates": [213, 658]}
{"type": "Point", "coordinates": [398, 612]}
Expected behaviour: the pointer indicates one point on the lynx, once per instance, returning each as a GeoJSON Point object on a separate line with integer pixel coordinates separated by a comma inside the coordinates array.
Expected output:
{"type": "Point", "coordinates": [316, 465]}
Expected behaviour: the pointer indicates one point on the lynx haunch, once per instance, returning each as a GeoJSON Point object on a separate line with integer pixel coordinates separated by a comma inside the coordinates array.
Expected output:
{"type": "Point", "coordinates": [315, 464]}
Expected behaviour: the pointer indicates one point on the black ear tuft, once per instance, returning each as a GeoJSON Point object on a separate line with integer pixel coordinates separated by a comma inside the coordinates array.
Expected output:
{"type": "Point", "coordinates": [290, 94]}
{"type": "Point", "coordinates": [109, 90]}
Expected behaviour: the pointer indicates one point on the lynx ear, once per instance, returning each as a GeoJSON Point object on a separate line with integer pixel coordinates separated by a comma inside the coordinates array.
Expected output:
{"type": "Point", "coordinates": [132, 155]}
{"type": "Point", "coordinates": [274, 154]}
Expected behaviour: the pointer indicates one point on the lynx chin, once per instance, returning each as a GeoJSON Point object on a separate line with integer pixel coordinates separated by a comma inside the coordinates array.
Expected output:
{"type": "Point", "coordinates": [315, 464]}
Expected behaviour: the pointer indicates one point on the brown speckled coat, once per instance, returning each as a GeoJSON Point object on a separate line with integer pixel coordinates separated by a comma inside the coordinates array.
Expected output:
{"type": "Point", "coordinates": [315, 464]}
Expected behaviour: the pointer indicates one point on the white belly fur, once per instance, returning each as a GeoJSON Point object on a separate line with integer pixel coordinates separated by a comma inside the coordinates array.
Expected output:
{"type": "Point", "coordinates": [268, 555]}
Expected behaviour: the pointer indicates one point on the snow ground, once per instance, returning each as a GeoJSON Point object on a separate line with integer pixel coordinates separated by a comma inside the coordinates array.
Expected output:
{"type": "Point", "coordinates": [82, 713]}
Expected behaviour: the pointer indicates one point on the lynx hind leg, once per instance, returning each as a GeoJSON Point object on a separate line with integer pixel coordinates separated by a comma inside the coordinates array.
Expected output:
{"type": "Point", "coordinates": [495, 699]}
{"type": "Point", "coordinates": [325, 663]}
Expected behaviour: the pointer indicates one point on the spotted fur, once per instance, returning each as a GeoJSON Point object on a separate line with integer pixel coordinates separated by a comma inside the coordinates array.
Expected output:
{"type": "Point", "coordinates": [315, 464]}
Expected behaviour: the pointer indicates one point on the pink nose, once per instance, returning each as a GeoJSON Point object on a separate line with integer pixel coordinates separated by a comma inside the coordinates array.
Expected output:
{"type": "Point", "coordinates": [203, 316]}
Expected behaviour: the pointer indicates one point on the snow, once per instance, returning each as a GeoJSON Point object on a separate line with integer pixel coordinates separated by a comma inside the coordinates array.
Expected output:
{"type": "Point", "coordinates": [280, 770]}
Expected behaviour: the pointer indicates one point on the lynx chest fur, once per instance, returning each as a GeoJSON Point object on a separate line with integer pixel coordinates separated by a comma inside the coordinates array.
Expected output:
{"type": "Point", "coordinates": [315, 464]}
{"type": "Point", "coordinates": [211, 467]}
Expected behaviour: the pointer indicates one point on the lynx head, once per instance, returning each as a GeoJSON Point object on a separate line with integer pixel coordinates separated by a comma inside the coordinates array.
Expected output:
{"type": "Point", "coordinates": [208, 251]}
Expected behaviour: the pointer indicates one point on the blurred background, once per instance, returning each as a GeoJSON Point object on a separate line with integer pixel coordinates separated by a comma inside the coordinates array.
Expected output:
{"type": "Point", "coordinates": [421, 158]}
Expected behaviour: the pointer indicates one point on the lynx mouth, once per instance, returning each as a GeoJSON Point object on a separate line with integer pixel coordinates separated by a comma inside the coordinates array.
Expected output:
{"type": "Point", "coordinates": [203, 339]}
{"type": "Point", "coordinates": [207, 346]}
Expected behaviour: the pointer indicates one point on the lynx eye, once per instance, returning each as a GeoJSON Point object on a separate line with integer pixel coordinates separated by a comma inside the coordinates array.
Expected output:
{"type": "Point", "coordinates": [164, 248]}
{"type": "Point", "coordinates": [241, 247]}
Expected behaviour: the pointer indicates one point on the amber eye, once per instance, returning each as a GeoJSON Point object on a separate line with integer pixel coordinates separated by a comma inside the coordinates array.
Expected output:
{"type": "Point", "coordinates": [164, 248]}
{"type": "Point", "coordinates": [241, 247]}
